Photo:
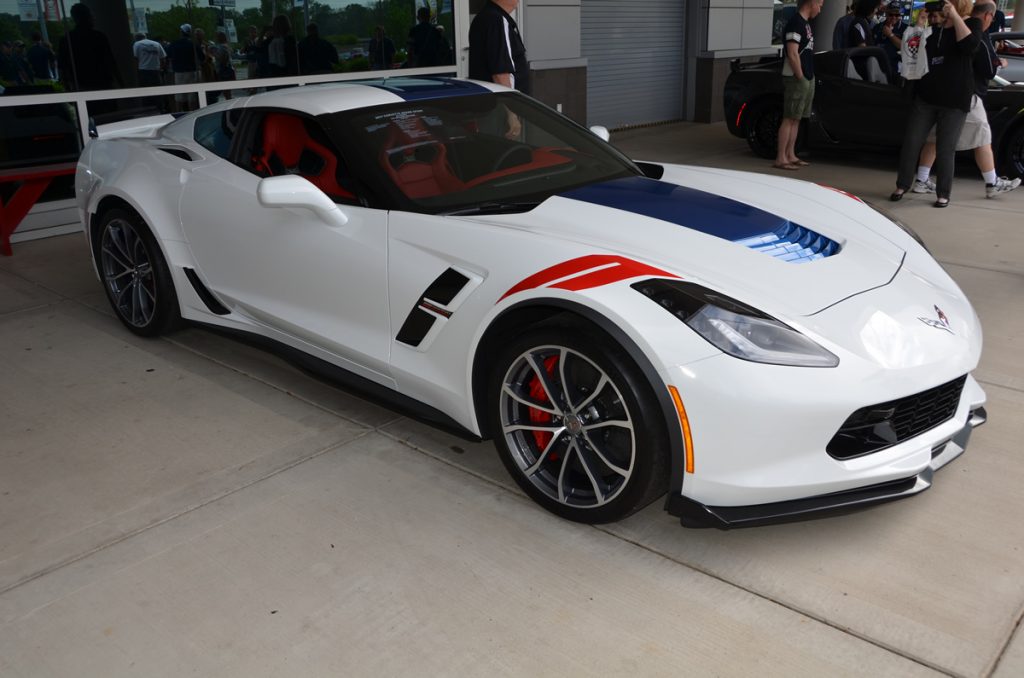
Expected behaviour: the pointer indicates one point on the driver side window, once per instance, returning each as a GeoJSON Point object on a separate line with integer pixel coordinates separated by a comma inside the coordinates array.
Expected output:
{"type": "Point", "coordinates": [286, 143]}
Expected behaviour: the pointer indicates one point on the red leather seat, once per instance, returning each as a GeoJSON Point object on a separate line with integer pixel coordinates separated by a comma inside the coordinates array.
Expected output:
{"type": "Point", "coordinates": [417, 162]}
{"type": "Point", "coordinates": [288, 148]}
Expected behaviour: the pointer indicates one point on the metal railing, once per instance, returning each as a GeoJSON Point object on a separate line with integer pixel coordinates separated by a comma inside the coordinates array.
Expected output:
{"type": "Point", "coordinates": [81, 99]}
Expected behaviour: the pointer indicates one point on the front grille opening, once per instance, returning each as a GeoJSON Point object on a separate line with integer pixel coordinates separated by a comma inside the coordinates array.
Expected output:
{"type": "Point", "coordinates": [877, 427]}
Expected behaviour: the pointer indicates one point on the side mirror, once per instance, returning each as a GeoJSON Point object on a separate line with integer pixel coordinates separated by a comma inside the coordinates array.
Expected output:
{"type": "Point", "coordinates": [296, 192]}
{"type": "Point", "coordinates": [602, 132]}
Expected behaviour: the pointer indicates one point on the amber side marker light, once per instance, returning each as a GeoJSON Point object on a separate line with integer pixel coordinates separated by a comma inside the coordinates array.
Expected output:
{"type": "Point", "coordinates": [685, 423]}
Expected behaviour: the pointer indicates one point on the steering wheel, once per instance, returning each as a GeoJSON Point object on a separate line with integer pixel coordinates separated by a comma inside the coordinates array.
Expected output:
{"type": "Point", "coordinates": [508, 152]}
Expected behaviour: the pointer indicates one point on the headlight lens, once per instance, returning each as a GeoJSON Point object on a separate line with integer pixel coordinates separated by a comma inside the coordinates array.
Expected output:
{"type": "Point", "coordinates": [735, 328]}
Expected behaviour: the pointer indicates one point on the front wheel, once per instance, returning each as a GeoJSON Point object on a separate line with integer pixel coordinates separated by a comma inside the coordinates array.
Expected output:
{"type": "Point", "coordinates": [577, 426]}
{"type": "Point", "coordinates": [135, 275]}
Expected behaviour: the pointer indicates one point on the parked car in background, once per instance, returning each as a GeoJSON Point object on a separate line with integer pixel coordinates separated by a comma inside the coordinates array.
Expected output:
{"type": "Point", "coordinates": [858, 105]}
{"type": "Point", "coordinates": [1010, 46]}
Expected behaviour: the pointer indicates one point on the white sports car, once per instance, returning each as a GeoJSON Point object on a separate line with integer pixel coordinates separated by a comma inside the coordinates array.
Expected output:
{"type": "Point", "coordinates": [758, 348]}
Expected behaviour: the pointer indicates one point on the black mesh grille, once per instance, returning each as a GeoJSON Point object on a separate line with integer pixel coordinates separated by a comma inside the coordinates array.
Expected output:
{"type": "Point", "coordinates": [877, 427]}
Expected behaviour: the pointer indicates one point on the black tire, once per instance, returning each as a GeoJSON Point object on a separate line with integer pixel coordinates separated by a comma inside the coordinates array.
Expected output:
{"type": "Point", "coordinates": [1011, 160]}
{"type": "Point", "coordinates": [134, 274]}
{"type": "Point", "coordinates": [597, 458]}
{"type": "Point", "coordinates": [762, 127]}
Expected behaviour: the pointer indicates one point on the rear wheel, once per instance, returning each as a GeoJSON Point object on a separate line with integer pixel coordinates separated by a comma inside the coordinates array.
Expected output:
{"type": "Point", "coordinates": [135, 275]}
{"type": "Point", "coordinates": [1012, 157]}
{"type": "Point", "coordinates": [577, 426]}
{"type": "Point", "coordinates": [763, 122]}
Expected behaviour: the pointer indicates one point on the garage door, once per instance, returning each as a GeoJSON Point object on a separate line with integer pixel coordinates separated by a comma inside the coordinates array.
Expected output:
{"type": "Point", "coordinates": [634, 54]}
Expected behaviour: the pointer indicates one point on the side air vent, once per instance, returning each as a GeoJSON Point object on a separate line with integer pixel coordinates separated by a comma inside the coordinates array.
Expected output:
{"type": "Point", "coordinates": [792, 243]}
{"type": "Point", "coordinates": [177, 152]}
{"type": "Point", "coordinates": [435, 299]}
{"type": "Point", "coordinates": [205, 294]}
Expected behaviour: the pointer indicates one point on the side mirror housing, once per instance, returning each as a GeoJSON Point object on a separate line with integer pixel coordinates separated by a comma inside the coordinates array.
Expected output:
{"type": "Point", "coordinates": [296, 192]}
{"type": "Point", "coordinates": [602, 132]}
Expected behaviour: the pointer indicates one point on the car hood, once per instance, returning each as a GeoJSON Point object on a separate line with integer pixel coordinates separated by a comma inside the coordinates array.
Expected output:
{"type": "Point", "coordinates": [710, 226]}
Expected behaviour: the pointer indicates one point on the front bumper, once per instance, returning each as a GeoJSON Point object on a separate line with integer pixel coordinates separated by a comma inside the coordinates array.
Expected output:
{"type": "Point", "coordinates": [694, 514]}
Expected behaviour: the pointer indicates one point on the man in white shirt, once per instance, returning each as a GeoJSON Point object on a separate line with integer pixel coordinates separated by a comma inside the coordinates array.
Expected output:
{"type": "Point", "coordinates": [151, 57]}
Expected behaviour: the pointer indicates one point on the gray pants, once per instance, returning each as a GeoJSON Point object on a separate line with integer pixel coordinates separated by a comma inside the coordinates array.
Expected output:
{"type": "Point", "coordinates": [947, 122]}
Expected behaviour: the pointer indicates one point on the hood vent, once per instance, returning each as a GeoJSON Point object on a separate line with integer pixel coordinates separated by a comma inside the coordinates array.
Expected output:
{"type": "Point", "coordinates": [792, 243]}
{"type": "Point", "coordinates": [709, 213]}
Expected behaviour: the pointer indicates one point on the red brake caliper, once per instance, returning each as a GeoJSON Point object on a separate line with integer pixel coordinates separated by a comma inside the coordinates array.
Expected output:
{"type": "Point", "coordinates": [541, 417]}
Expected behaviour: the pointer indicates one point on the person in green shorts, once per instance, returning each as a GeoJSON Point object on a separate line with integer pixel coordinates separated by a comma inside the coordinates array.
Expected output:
{"type": "Point", "coordinates": [798, 81]}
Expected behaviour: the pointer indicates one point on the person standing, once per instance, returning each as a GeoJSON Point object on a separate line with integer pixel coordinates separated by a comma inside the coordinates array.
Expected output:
{"type": "Point", "coordinates": [41, 57]}
{"type": "Point", "coordinates": [798, 81]}
{"type": "Point", "coordinates": [316, 56]}
{"type": "Point", "coordinates": [382, 50]}
{"type": "Point", "coordinates": [185, 66]}
{"type": "Point", "coordinates": [150, 57]}
{"type": "Point", "coordinates": [423, 41]}
{"type": "Point", "coordinates": [942, 99]}
{"type": "Point", "coordinates": [496, 50]}
{"type": "Point", "coordinates": [84, 57]}
{"type": "Point", "coordinates": [976, 134]}
{"type": "Point", "coordinates": [860, 30]}
{"type": "Point", "coordinates": [889, 35]}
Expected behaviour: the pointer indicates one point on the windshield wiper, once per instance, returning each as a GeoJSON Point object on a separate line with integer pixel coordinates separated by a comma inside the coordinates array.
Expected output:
{"type": "Point", "coordinates": [494, 208]}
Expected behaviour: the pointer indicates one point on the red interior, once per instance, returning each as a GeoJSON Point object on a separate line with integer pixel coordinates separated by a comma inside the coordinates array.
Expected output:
{"type": "Point", "coordinates": [286, 137]}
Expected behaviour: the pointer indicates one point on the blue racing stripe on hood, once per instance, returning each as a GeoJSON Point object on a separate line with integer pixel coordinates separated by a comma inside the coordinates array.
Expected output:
{"type": "Point", "coordinates": [419, 89]}
{"type": "Point", "coordinates": [711, 214]}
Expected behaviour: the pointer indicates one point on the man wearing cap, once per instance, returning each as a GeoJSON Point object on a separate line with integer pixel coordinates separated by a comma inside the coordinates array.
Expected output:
{"type": "Point", "coordinates": [185, 66]}
{"type": "Point", "coordinates": [889, 35]}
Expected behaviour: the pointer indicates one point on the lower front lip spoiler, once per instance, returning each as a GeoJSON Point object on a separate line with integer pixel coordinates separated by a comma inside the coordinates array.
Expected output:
{"type": "Point", "coordinates": [694, 514]}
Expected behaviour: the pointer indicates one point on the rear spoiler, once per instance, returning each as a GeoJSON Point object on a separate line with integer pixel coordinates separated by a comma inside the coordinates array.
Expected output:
{"type": "Point", "coordinates": [736, 65]}
{"type": "Point", "coordinates": [138, 127]}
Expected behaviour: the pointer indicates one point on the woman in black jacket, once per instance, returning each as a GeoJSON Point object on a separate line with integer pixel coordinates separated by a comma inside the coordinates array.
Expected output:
{"type": "Point", "coordinates": [942, 98]}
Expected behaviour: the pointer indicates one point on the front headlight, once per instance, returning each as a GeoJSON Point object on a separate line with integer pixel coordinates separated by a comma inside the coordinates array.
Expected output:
{"type": "Point", "coordinates": [734, 327]}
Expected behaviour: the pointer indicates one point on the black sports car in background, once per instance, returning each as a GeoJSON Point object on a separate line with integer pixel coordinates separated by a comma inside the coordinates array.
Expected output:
{"type": "Point", "coordinates": [858, 105]}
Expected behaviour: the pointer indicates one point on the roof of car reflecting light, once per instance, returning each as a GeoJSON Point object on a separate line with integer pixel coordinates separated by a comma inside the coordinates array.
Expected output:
{"type": "Point", "coordinates": [343, 96]}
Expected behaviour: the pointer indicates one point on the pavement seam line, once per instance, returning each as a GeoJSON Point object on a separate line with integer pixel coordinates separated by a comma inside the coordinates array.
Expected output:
{"type": "Point", "coordinates": [762, 596]}
{"type": "Point", "coordinates": [145, 528]}
{"type": "Point", "coordinates": [1005, 645]}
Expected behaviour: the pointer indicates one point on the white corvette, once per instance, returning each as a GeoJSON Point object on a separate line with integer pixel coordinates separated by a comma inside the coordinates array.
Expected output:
{"type": "Point", "coordinates": [758, 348]}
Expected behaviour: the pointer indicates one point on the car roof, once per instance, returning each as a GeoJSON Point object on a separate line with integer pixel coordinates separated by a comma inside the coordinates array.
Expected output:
{"type": "Point", "coordinates": [343, 96]}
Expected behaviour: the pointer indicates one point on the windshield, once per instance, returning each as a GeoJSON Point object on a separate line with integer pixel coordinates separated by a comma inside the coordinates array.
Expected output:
{"type": "Point", "coordinates": [499, 150]}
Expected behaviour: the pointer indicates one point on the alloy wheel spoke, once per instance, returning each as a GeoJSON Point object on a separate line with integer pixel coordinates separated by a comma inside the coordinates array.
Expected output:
{"type": "Point", "coordinates": [542, 457]}
{"type": "Point", "coordinates": [620, 423]}
{"type": "Point", "coordinates": [555, 428]}
{"type": "Point", "coordinates": [117, 259]}
{"type": "Point", "coordinates": [120, 240]}
{"type": "Point", "coordinates": [561, 474]}
{"type": "Point", "coordinates": [550, 388]}
{"type": "Point", "coordinates": [585, 463]}
{"type": "Point", "coordinates": [603, 457]}
{"type": "Point", "coordinates": [529, 403]}
{"type": "Point", "coordinates": [601, 383]}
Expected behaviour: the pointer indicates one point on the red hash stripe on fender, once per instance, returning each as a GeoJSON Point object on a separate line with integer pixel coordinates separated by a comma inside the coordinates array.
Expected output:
{"type": "Point", "coordinates": [839, 190]}
{"type": "Point", "coordinates": [611, 268]}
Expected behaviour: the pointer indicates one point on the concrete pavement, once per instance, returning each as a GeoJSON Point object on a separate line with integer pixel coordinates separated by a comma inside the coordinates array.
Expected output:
{"type": "Point", "coordinates": [195, 505]}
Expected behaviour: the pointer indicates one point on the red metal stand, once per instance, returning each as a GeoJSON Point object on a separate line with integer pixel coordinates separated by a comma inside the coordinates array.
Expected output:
{"type": "Point", "coordinates": [33, 181]}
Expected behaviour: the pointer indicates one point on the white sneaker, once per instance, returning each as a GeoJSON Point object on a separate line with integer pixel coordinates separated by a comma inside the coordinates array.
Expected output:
{"type": "Point", "coordinates": [926, 186]}
{"type": "Point", "coordinates": [1002, 185]}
